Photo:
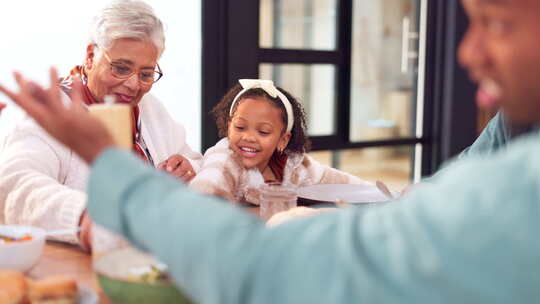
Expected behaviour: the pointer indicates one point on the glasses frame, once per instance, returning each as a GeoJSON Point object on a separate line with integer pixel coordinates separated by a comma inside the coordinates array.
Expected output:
{"type": "Point", "coordinates": [135, 71]}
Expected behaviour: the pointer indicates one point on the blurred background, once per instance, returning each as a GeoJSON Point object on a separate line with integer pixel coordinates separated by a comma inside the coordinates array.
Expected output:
{"type": "Point", "coordinates": [383, 101]}
{"type": "Point", "coordinates": [385, 96]}
{"type": "Point", "coordinates": [37, 34]}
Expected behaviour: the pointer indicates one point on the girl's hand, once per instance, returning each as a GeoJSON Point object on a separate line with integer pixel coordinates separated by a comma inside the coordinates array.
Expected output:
{"type": "Point", "coordinates": [2, 106]}
{"type": "Point", "coordinates": [178, 166]}
{"type": "Point", "coordinates": [72, 124]}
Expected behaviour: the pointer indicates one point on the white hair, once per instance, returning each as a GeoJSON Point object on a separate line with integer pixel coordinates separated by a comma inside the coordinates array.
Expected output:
{"type": "Point", "coordinates": [127, 19]}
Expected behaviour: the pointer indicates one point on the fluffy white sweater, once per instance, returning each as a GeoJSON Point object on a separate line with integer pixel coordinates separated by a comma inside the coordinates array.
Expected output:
{"type": "Point", "coordinates": [223, 175]}
{"type": "Point", "coordinates": [42, 183]}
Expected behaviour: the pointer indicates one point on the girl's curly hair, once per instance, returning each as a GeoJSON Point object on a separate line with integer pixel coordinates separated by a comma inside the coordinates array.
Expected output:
{"type": "Point", "coordinates": [299, 141]}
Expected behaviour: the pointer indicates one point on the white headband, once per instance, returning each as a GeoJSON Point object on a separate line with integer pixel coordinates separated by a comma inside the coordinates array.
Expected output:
{"type": "Point", "coordinates": [268, 87]}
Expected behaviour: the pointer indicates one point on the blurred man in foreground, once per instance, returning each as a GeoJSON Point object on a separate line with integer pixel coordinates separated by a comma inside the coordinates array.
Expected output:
{"type": "Point", "coordinates": [469, 237]}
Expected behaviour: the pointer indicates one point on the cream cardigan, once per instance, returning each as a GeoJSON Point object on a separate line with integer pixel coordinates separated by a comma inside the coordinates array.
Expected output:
{"type": "Point", "coordinates": [224, 176]}
{"type": "Point", "coordinates": [42, 183]}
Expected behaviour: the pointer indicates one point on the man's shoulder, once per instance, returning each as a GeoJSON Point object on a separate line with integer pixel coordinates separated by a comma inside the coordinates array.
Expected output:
{"type": "Point", "coordinates": [526, 144]}
{"type": "Point", "coordinates": [520, 156]}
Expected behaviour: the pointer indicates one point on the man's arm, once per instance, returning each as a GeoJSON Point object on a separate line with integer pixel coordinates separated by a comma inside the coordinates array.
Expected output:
{"type": "Point", "coordinates": [482, 248]}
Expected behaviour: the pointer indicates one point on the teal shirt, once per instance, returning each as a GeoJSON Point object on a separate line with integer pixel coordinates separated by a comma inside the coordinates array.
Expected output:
{"type": "Point", "coordinates": [496, 134]}
{"type": "Point", "coordinates": [483, 247]}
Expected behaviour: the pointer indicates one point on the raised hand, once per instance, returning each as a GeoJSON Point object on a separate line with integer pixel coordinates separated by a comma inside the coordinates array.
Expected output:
{"type": "Point", "coordinates": [71, 124]}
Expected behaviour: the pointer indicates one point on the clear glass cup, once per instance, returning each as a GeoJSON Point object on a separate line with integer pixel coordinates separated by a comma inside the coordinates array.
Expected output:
{"type": "Point", "coordinates": [276, 198]}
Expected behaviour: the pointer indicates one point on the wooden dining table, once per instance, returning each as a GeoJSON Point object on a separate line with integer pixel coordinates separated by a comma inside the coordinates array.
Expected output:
{"type": "Point", "coordinates": [65, 259]}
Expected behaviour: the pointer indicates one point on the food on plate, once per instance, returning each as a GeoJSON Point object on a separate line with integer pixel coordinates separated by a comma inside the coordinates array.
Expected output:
{"type": "Point", "coordinates": [53, 290]}
{"type": "Point", "coordinates": [4, 239]}
{"type": "Point", "coordinates": [151, 274]}
{"type": "Point", "coordinates": [13, 287]}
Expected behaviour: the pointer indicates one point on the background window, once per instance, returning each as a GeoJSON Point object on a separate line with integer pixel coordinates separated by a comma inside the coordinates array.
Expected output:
{"type": "Point", "coordinates": [396, 81]}
{"type": "Point", "coordinates": [298, 24]}
{"type": "Point", "coordinates": [314, 86]}
{"type": "Point", "coordinates": [384, 69]}
{"type": "Point", "coordinates": [392, 165]}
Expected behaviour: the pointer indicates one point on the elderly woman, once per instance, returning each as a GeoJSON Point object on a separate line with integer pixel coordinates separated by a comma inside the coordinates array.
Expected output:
{"type": "Point", "coordinates": [42, 183]}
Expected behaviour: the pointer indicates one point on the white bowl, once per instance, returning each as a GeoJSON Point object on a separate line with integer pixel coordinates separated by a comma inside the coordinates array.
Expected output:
{"type": "Point", "coordinates": [22, 255]}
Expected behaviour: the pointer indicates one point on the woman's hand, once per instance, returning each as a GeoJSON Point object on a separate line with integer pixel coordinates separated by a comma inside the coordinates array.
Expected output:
{"type": "Point", "coordinates": [178, 166]}
{"type": "Point", "coordinates": [2, 106]}
{"type": "Point", "coordinates": [72, 124]}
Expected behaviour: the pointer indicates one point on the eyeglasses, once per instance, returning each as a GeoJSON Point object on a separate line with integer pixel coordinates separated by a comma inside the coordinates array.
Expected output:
{"type": "Point", "coordinates": [124, 71]}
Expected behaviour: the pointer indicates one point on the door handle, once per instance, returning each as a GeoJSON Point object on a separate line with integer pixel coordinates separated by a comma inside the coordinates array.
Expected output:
{"type": "Point", "coordinates": [406, 53]}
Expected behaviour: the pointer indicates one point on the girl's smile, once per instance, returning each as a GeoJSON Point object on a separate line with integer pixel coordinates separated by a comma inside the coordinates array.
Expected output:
{"type": "Point", "coordinates": [256, 131]}
{"type": "Point", "coordinates": [249, 152]}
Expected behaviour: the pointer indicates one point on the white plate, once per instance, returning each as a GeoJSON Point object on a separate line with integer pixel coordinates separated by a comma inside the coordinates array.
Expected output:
{"type": "Point", "coordinates": [123, 264]}
{"type": "Point", "coordinates": [87, 296]}
{"type": "Point", "coordinates": [352, 194]}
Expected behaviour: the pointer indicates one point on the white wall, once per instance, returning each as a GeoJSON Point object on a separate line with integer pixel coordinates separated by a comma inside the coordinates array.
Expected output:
{"type": "Point", "coordinates": [36, 34]}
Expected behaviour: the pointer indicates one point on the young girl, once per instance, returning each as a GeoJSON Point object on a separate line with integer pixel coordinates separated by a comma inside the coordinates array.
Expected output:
{"type": "Point", "coordinates": [266, 142]}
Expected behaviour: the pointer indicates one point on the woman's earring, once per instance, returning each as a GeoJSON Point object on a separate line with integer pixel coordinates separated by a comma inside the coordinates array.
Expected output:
{"type": "Point", "coordinates": [84, 75]}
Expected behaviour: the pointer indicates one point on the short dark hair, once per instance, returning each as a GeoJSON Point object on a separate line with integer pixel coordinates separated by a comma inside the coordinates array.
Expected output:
{"type": "Point", "coordinates": [299, 141]}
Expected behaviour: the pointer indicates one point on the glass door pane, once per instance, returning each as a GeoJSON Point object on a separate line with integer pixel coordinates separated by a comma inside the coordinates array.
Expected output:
{"type": "Point", "coordinates": [384, 72]}
{"type": "Point", "coordinates": [314, 86]}
{"type": "Point", "coordinates": [298, 24]}
{"type": "Point", "coordinates": [392, 165]}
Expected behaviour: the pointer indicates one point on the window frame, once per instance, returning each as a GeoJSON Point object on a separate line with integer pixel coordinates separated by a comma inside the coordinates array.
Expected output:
{"type": "Point", "coordinates": [231, 51]}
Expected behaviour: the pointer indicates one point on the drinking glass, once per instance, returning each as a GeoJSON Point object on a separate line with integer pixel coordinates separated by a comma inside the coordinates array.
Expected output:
{"type": "Point", "coordinates": [277, 198]}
